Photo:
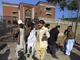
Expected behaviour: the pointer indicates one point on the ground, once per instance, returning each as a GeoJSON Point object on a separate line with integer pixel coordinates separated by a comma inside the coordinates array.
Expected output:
{"type": "Point", "coordinates": [8, 47]}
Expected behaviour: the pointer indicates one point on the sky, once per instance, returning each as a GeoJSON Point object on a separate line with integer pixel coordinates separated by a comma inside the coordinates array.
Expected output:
{"type": "Point", "coordinates": [58, 15]}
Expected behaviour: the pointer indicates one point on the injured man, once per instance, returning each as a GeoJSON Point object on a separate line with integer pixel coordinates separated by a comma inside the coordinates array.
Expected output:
{"type": "Point", "coordinates": [31, 42]}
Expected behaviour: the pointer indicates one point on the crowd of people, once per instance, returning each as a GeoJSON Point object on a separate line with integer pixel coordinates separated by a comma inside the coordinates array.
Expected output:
{"type": "Point", "coordinates": [39, 40]}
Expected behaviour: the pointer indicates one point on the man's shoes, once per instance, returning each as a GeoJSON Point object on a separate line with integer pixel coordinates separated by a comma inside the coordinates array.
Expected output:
{"type": "Point", "coordinates": [55, 57]}
{"type": "Point", "coordinates": [33, 56]}
{"type": "Point", "coordinates": [64, 52]}
{"type": "Point", "coordinates": [28, 55]}
{"type": "Point", "coordinates": [66, 55]}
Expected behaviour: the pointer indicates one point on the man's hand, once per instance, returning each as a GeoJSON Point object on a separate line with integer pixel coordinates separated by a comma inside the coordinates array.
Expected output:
{"type": "Point", "coordinates": [61, 44]}
{"type": "Point", "coordinates": [56, 42]}
{"type": "Point", "coordinates": [16, 32]}
{"type": "Point", "coordinates": [44, 36]}
{"type": "Point", "coordinates": [28, 30]}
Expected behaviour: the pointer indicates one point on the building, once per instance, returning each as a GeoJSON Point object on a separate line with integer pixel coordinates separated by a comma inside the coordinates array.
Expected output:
{"type": "Point", "coordinates": [27, 12]}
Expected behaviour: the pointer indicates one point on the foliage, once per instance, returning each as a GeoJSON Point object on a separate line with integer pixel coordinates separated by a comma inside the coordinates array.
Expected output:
{"type": "Point", "coordinates": [63, 4]}
{"type": "Point", "coordinates": [54, 1]}
{"type": "Point", "coordinates": [73, 5]}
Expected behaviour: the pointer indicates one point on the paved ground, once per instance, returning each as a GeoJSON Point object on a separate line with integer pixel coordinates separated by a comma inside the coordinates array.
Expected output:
{"type": "Point", "coordinates": [7, 51]}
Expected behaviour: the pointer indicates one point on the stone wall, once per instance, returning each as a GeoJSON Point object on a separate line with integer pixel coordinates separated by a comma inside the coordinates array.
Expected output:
{"type": "Point", "coordinates": [50, 20]}
{"type": "Point", "coordinates": [63, 24]}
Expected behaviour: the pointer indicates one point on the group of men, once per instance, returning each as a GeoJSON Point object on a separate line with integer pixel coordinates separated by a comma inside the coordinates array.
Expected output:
{"type": "Point", "coordinates": [40, 39]}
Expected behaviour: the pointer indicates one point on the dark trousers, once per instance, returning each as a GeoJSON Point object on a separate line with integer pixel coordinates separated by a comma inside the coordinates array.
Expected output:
{"type": "Point", "coordinates": [52, 49]}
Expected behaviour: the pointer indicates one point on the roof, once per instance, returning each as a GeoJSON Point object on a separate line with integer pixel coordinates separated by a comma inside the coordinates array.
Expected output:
{"type": "Point", "coordinates": [9, 3]}
{"type": "Point", "coordinates": [26, 3]}
{"type": "Point", "coordinates": [44, 2]}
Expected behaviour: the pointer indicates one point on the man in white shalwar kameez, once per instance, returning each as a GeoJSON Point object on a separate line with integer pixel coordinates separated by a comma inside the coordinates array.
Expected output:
{"type": "Point", "coordinates": [32, 42]}
{"type": "Point", "coordinates": [20, 37]}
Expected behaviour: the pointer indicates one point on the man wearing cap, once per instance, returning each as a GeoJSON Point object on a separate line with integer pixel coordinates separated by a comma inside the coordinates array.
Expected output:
{"type": "Point", "coordinates": [41, 43]}
{"type": "Point", "coordinates": [20, 38]}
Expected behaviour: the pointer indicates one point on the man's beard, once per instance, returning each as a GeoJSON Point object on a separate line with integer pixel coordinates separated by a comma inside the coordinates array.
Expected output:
{"type": "Point", "coordinates": [21, 27]}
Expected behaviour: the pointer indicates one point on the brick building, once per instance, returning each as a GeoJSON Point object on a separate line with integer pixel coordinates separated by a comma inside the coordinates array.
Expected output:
{"type": "Point", "coordinates": [24, 11]}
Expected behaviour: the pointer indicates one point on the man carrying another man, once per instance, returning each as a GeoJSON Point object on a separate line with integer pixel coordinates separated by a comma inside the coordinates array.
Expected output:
{"type": "Point", "coordinates": [20, 38]}
{"type": "Point", "coordinates": [69, 41]}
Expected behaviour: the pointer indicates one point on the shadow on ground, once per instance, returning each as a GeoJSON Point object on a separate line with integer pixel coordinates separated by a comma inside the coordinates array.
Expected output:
{"type": "Point", "coordinates": [5, 55]}
{"type": "Point", "coordinates": [77, 47]}
{"type": "Point", "coordinates": [22, 58]}
{"type": "Point", "coordinates": [3, 46]}
{"type": "Point", "coordinates": [77, 43]}
{"type": "Point", "coordinates": [74, 56]}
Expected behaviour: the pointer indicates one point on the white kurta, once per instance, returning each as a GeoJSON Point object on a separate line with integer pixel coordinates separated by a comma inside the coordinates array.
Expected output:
{"type": "Point", "coordinates": [21, 47]}
{"type": "Point", "coordinates": [32, 37]}
{"type": "Point", "coordinates": [22, 42]}
{"type": "Point", "coordinates": [32, 41]}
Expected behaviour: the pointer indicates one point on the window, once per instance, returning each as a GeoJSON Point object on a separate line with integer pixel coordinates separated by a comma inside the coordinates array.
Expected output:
{"type": "Point", "coordinates": [48, 8]}
{"type": "Point", "coordinates": [14, 22]}
{"type": "Point", "coordinates": [48, 14]}
{"type": "Point", "coordinates": [9, 22]}
{"type": "Point", "coordinates": [28, 14]}
{"type": "Point", "coordinates": [15, 14]}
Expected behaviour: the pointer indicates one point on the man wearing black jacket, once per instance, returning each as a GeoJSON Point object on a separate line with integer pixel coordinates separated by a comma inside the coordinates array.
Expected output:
{"type": "Point", "coordinates": [52, 40]}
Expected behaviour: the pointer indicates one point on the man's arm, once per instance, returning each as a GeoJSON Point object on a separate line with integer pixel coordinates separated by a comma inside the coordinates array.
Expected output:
{"type": "Point", "coordinates": [27, 32]}
{"type": "Point", "coordinates": [47, 34]}
{"type": "Point", "coordinates": [65, 31]}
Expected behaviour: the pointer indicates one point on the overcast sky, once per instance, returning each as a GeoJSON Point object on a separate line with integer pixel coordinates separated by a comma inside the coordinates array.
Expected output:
{"type": "Point", "coordinates": [58, 12]}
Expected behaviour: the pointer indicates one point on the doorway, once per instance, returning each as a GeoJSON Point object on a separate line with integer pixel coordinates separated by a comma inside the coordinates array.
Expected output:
{"type": "Point", "coordinates": [27, 16]}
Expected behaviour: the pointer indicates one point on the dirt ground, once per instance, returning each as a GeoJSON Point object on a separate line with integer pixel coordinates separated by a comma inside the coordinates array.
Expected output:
{"type": "Point", "coordinates": [8, 47]}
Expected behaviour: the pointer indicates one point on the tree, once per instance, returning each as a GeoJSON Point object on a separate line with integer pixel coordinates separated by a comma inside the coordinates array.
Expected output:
{"type": "Point", "coordinates": [77, 19]}
{"type": "Point", "coordinates": [73, 6]}
{"type": "Point", "coordinates": [53, 1]}
{"type": "Point", "coordinates": [62, 5]}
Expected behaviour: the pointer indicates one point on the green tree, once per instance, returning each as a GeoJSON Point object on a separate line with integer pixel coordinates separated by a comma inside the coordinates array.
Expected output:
{"type": "Point", "coordinates": [53, 1]}
{"type": "Point", "coordinates": [62, 5]}
{"type": "Point", "coordinates": [73, 6]}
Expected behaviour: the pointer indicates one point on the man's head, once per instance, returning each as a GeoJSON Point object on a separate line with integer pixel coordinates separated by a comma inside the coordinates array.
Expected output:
{"type": "Point", "coordinates": [16, 25]}
{"type": "Point", "coordinates": [20, 23]}
{"type": "Point", "coordinates": [44, 24]}
{"type": "Point", "coordinates": [30, 26]}
{"type": "Point", "coordinates": [27, 20]}
{"type": "Point", "coordinates": [41, 23]}
{"type": "Point", "coordinates": [48, 26]}
{"type": "Point", "coordinates": [69, 28]}
{"type": "Point", "coordinates": [58, 27]}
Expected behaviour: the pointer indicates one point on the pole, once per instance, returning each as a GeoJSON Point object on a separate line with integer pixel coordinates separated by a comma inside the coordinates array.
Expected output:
{"type": "Point", "coordinates": [69, 19]}
{"type": "Point", "coordinates": [77, 20]}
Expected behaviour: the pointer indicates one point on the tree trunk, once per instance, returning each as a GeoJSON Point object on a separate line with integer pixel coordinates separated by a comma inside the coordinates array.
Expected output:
{"type": "Point", "coordinates": [77, 20]}
{"type": "Point", "coordinates": [71, 18]}
{"type": "Point", "coordinates": [63, 14]}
